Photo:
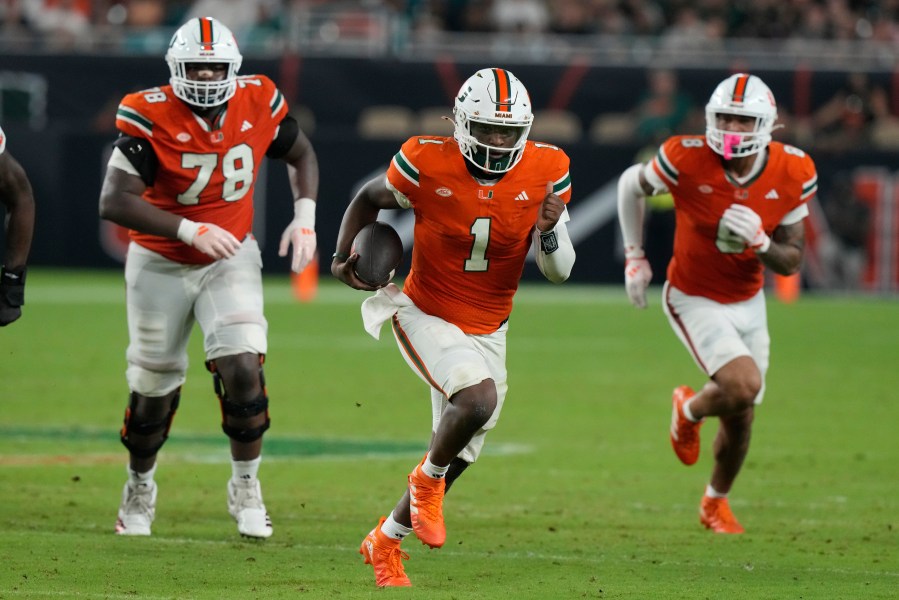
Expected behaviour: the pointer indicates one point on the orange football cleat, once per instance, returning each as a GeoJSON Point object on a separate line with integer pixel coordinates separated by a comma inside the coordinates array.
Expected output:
{"type": "Point", "coordinates": [684, 432]}
{"type": "Point", "coordinates": [385, 556]}
{"type": "Point", "coordinates": [715, 514]}
{"type": "Point", "coordinates": [426, 507]}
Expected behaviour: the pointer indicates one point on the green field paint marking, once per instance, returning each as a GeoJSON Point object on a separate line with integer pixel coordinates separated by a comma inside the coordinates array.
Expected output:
{"type": "Point", "coordinates": [275, 447]}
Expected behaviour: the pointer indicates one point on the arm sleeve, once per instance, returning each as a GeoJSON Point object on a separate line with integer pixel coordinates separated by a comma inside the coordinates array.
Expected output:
{"type": "Point", "coordinates": [285, 136]}
{"type": "Point", "coordinates": [554, 251]}
{"type": "Point", "coordinates": [631, 209]}
{"type": "Point", "coordinates": [139, 154]}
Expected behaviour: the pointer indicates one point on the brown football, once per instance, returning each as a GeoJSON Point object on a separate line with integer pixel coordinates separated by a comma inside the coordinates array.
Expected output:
{"type": "Point", "coordinates": [380, 253]}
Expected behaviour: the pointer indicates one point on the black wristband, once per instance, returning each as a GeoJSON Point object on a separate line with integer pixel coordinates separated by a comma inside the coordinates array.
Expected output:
{"type": "Point", "coordinates": [12, 286]}
{"type": "Point", "coordinates": [340, 256]}
{"type": "Point", "coordinates": [548, 242]}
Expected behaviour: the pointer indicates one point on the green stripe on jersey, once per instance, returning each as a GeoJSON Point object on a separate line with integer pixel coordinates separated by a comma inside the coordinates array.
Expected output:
{"type": "Point", "coordinates": [810, 187]}
{"type": "Point", "coordinates": [275, 104]}
{"type": "Point", "coordinates": [406, 167]}
{"type": "Point", "coordinates": [562, 184]}
{"type": "Point", "coordinates": [129, 114]}
{"type": "Point", "coordinates": [666, 166]}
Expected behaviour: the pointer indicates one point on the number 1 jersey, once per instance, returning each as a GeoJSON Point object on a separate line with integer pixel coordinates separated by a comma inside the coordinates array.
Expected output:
{"type": "Point", "coordinates": [471, 238]}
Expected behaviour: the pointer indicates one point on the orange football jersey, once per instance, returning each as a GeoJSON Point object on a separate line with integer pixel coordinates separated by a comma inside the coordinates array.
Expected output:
{"type": "Point", "coordinates": [471, 240]}
{"type": "Point", "coordinates": [206, 172]}
{"type": "Point", "coordinates": [709, 260]}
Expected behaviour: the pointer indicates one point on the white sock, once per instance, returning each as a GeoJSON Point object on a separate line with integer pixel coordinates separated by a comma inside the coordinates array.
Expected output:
{"type": "Point", "coordinates": [136, 479]}
{"type": "Point", "coordinates": [394, 530]}
{"type": "Point", "coordinates": [686, 408]}
{"type": "Point", "coordinates": [432, 470]}
{"type": "Point", "coordinates": [713, 493]}
{"type": "Point", "coordinates": [243, 470]}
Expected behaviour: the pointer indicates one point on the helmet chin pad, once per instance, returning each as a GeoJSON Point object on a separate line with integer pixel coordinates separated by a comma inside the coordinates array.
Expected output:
{"type": "Point", "coordinates": [730, 141]}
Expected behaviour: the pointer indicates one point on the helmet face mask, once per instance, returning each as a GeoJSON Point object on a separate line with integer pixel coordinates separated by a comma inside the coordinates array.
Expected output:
{"type": "Point", "coordinates": [492, 104]}
{"type": "Point", "coordinates": [747, 96]}
{"type": "Point", "coordinates": [200, 41]}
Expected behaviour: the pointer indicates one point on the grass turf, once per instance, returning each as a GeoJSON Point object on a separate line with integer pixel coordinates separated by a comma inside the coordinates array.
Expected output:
{"type": "Point", "coordinates": [578, 494]}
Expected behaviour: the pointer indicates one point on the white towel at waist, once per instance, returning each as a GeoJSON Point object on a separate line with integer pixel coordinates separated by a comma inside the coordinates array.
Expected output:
{"type": "Point", "coordinates": [382, 306]}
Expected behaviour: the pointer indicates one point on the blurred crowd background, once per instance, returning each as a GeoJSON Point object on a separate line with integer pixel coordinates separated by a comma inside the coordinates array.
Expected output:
{"type": "Point", "coordinates": [85, 24]}
{"type": "Point", "coordinates": [613, 79]}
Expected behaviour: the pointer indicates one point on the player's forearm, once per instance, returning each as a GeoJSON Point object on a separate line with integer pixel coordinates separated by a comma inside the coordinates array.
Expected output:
{"type": "Point", "coordinates": [554, 252]}
{"type": "Point", "coordinates": [363, 209]}
{"type": "Point", "coordinates": [122, 203]}
{"type": "Point", "coordinates": [783, 259]}
{"type": "Point", "coordinates": [133, 212]}
{"type": "Point", "coordinates": [631, 207]}
{"type": "Point", "coordinates": [16, 195]}
{"type": "Point", "coordinates": [19, 231]}
{"type": "Point", "coordinates": [303, 175]}
{"type": "Point", "coordinates": [784, 255]}
{"type": "Point", "coordinates": [302, 169]}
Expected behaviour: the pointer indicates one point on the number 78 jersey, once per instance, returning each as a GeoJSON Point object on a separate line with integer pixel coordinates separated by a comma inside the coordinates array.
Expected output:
{"type": "Point", "coordinates": [206, 171]}
{"type": "Point", "coordinates": [471, 239]}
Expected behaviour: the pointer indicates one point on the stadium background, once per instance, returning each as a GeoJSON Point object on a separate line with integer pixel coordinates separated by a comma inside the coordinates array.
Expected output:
{"type": "Point", "coordinates": [361, 77]}
{"type": "Point", "coordinates": [581, 496]}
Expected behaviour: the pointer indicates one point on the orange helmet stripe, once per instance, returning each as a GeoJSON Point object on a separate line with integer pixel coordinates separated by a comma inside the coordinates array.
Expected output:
{"type": "Point", "coordinates": [206, 33]}
{"type": "Point", "coordinates": [740, 88]}
{"type": "Point", "coordinates": [503, 90]}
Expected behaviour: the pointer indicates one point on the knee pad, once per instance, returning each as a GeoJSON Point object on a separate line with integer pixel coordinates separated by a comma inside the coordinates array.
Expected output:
{"type": "Point", "coordinates": [240, 410]}
{"type": "Point", "coordinates": [144, 428]}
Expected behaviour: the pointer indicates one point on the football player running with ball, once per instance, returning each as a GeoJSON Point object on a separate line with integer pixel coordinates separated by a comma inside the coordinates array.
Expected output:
{"type": "Point", "coordinates": [18, 199]}
{"type": "Point", "coordinates": [481, 199]}
{"type": "Point", "coordinates": [740, 200]}
{"type": "Point", "coordinates": [181, 178]}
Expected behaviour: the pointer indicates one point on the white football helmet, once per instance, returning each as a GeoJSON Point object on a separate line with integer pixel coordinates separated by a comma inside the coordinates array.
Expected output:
{"type": "Point", "coordinates": [203, 40]}
{"type": "Point", "coordinates": [494, 97]}
{"type": "Point", "coordinates": [746, 95]}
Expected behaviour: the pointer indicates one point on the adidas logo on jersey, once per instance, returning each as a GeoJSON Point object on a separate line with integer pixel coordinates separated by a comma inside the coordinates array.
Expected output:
{"type": "Point", "coordinates": [246, 125]}
{"type": "Point", "coordinates": [522, 196]}
{"type": "Point", "coordinates": [772, 195]}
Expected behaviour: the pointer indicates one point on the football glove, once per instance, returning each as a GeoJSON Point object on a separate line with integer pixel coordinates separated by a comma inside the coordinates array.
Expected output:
{"type": "Point", "coordinates": [301, 234]}
{"type": "Point", "coordinates": [746, 224]}
{"type": "Point", "coordinates": [208, 238]}
{"type": "Point", "coordinates": [637, 275]}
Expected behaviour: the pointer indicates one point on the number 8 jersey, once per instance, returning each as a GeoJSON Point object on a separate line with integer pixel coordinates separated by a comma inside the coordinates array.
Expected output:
{"type": "Point", "coordinates": [706, 253]}
{"type": "Point", "coordinates": [206, 171]}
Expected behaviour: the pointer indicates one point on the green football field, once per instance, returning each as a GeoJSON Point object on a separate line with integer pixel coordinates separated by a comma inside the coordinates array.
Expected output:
{"type": "Point", "coordinates": [577, 495]}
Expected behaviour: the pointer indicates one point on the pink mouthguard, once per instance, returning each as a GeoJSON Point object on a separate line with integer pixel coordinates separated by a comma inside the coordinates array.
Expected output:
{"type": "Point", "coordinates": [731, 140]}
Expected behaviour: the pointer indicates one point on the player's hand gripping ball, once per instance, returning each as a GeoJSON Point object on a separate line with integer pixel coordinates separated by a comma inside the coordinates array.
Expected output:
{"type": "Point", "coordinates": [380, 252]}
